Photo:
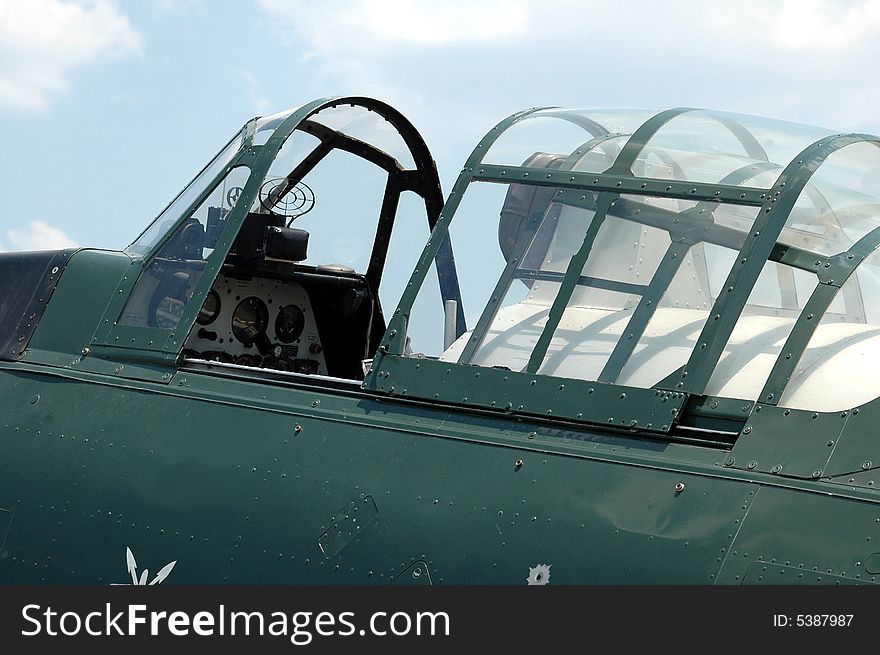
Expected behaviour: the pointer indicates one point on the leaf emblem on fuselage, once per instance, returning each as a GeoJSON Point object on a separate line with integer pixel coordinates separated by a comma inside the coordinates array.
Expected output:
{"type": "Point", "coordinates": [141, 580]}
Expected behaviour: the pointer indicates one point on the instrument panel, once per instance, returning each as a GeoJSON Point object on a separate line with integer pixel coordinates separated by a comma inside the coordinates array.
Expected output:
{"type": "Point", "coordinates": [258, 322]}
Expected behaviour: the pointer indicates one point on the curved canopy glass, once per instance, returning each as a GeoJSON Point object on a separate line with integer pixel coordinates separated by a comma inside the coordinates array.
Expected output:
{"type": "Point", "coordinates": [683, 251]}
{"type": "Point", "coordinates": [304, 203]}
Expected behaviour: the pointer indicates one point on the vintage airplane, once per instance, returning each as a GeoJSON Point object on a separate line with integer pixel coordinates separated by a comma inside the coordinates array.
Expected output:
{"type": "Point", "coordinates": [658, 368]}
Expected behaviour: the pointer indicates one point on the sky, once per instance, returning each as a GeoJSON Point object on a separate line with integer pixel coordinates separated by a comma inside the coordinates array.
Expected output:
{"type": "Point", "coordinates": [109, 107]}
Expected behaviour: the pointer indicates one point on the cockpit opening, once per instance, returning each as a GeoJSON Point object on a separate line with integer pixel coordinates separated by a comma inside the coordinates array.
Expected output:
{"type": "Point", "coordinates": [687, 250]}
{"type": "Point", "coordinates": [284, 243]}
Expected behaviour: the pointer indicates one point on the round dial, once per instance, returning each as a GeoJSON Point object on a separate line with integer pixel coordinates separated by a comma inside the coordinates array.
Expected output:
{"type": "Point", "coordinates": [168, 312]}
{"type": "Point", "coordinates": [250, 319]}
{"type": "Point", "coordinates": [289, 324]}
{"type": "Point", "coordinates": [210, 310]}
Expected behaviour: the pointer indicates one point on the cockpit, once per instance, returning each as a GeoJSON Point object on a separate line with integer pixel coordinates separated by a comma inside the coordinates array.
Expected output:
{"type": "Point", "coordinates": [687, 253]}
{"type": "Point", "coordinates": [620, 265]}
{"type": "Point", "coordinates": [285, 237]}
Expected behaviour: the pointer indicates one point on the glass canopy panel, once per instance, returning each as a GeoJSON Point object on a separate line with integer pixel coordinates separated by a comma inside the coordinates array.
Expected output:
{"type": "Point", "coordinates": [760, 333]}
{"type": "Point", "coordinates": [167, 283]}
{"type": "Point", "coordinates": [266, 125]}
{"type": "Point", "coordinates": [840, 205]}
{"type": "Point", "coordinates": [597, 155]}
{"type": "Point", "coordinates": [838, 369]}
{"type": "Point", "coordinates": [367, 126]}
{"type": "Point", "coordinates": [642, 292]}
{"type": "Point", "coordinates": [666, 331]}
{"type": "Point", "coordinates": [169, 217]}
{"type": "Point", "coordinates": [719, 147]}
{"type": "Point", "coordinates": [341, 225]}
{"type": "Point", "coordinates": [290, 156]}
{"type": "Point", "coordinates": [563, 133]}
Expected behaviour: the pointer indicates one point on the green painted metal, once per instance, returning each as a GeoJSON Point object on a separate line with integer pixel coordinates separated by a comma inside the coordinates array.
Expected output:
{"type": "Point", "coordinates": [787, 442]}
{"type": "Point", "coordinates": [457, 473]}
{"type": "Point", "coordinates": [248, 497]}
{"type": "Point", "coordinates": [760, 549]}
{"type": "Point", "coordinates": [736, 195]}
{"type": "Point", "coordinates": [78, 302]}
{"type": "Point", "coordinates": [522, 393]}
{"type": "Point", "coordinates": [857, 450]}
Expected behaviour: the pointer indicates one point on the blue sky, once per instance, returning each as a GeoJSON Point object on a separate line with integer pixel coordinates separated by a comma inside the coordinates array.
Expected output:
{"type": "Point", "coordinates": [109, 107]}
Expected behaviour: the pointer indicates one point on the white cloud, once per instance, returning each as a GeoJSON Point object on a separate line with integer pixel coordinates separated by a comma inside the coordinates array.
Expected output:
{"type": "Point", "coordinates": [380, 24]}
{"type": "Point", "coordinates": [826, 25]}
{"type": "Point", "coordinates": [43, 41]}
{"type": "Point", "coordinates": [38, 235]}
{"type": "Point", "coordinates": [457, 67]}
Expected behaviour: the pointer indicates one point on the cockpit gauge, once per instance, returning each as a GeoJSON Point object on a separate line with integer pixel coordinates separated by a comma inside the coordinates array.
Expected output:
{"type": "Point", "coordinates": [289, 323]}
{"type": "Point", "coordinates": [210, 309]}
{"type": "Point", "coordinates": [168, 312]}
{"type": "Point", "coordinates": [250, 320]}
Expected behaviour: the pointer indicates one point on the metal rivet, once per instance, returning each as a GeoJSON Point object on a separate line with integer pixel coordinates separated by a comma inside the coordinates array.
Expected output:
{"type": "Point", "coordinates": [747, 430]}
{"type": "Point", "coordinates": [679, 487]}
{"type": "Point", "coordinates": [518, 464]}
{"type": "Point", "coordinates": [297, 428]}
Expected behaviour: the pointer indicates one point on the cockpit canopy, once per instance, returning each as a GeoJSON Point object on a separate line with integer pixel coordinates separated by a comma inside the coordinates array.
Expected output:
{"type": "Point", "coordinates": [273, 258]}
{"type": "Point", "coordinates": [690, 251]}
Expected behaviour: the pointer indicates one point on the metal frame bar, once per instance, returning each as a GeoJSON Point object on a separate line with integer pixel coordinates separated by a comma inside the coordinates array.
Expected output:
{"type": "Point", "coordinates": [623, 184]}
{"type": "Point", "coordinates": [743, 275]}
{"type": "Point", "coordinates": [583, 280]}
{"type": "Point", "coordinates": [644, 311]}
{"type": "Point", "coordinates": [647, 130]}
{"type": "Point", "coordinates": [681, 242]}
{"type": "Point", "coordinates": [481, 329]}
{"type": "Point", "coordinates": [572, 275]}
{"type": "Point", "coordinates": [840, 269]}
